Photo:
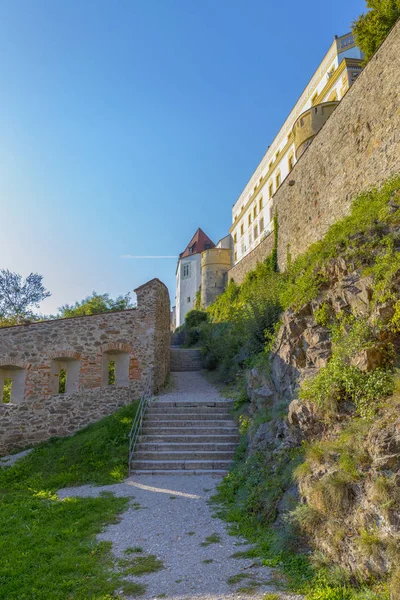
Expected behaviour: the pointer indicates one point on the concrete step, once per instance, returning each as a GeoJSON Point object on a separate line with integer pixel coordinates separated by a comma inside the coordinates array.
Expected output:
{"type": "Point", "coordinates": [183, 455]}
{"type": "Point", "coordinates": [187, 423]}
{"type": "Point", "coordinates": [192, 439]}
{"type": "Point", "coordinates": [185, 359]}
{"type": "Point", "coordinates": [180, 465]}
{"type": "Point", "coordinates": [167, 416]}
{"type": "Point", "coordinates": [190, 404]}
{"type": "Point", "coordinates": [185, 446]}
{"type": "Point", "coordinates": [153, 430]}
{"type": "Point", "coordinates": [184, 410]}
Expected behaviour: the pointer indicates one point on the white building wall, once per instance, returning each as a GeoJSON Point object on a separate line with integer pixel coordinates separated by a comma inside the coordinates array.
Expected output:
{"type": "Point", "coordinates": [187, 286]}
{"type": "Point", "coordinates": [279, 153]}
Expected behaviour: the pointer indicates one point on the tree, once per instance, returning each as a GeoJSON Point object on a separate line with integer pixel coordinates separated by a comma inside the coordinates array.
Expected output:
{"type": "Point", "coordinates": [371, 28]}
{"type": "Point", "coordinates": [18, 296]}
{"type": "Point", "coordinates": [95, 304]}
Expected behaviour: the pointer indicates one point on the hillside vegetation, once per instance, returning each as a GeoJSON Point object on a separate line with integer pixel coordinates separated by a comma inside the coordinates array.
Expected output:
{"type": "Point", "coordinates": [312, 357]}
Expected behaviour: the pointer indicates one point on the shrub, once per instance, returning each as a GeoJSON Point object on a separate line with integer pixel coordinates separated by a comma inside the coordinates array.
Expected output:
{"type": "Point", "coordinates": [194, 318]}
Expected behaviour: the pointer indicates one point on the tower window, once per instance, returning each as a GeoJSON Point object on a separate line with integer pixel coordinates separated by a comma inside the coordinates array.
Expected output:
{"type": "Point", "coordinates": [186, 270]}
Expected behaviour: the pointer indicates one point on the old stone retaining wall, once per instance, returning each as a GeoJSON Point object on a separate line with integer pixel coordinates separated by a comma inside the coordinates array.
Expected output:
{"type": "Point", "coordinates": [357, 148]}
{"type": "Point", "coordinates": [136, 340]}
{"type": "Point", "coordinates": [249, 262]}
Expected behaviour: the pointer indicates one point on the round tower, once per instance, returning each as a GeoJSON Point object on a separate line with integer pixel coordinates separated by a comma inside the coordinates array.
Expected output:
{"type": "Point", "coordinates": [215, 263]}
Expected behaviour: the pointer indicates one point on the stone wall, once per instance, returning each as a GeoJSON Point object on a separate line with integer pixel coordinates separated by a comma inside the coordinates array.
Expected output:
{"type": "Point", "coordinates": [137, 340]}
{"type": "Point", "coordinates": [249, 262]}
{"type": "Point", "coordinates": [357, 148]}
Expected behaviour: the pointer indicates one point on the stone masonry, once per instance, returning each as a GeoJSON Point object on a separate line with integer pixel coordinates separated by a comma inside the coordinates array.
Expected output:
{"type": "Point", "coordinates": [136, 340]}
{"type": "Point", "coordinates": [357, 148]}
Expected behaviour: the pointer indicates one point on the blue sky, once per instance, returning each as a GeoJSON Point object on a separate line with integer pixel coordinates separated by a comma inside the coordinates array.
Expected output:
{"type": "Point", "coordinates": [127, 124]}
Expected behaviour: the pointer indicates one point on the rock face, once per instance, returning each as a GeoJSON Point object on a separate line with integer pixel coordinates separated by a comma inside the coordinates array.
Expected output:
{"type": "Point", "coordinates": [363, 535]}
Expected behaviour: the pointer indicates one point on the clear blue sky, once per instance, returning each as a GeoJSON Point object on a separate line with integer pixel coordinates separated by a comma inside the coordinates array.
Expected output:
{"type": "Point", "coordinates": [127, 124]}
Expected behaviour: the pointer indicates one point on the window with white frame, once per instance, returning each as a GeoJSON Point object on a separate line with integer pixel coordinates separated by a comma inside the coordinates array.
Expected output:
{"type": "Point", "coordinates": [186, 270]}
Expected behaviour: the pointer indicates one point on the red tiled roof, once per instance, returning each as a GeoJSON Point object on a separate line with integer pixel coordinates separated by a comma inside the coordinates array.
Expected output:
{"type": "Point", "coordinates": [197, 244]}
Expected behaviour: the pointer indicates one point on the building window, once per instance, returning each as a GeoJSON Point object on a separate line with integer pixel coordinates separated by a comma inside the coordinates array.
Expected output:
{"type": "Point", "coordinates": [64, 375]}
{"type": "Point", "coordinates": [261, 224]}
{"type": "Point", "coordinates": [260, 204]}
{"type": "Point", "coordinates": [271, 213]}
{"type": "Point", "coordinates": [12, 384]}
{"type": "Point", "coordinates": [235, 256]}
{"type": "Point", "coordinates": [207, 246]}
{"type": "Point", "coordinates": [270, 165]}
{"type": "Point", "coordinates": [255, 211]}
{"type": "Point", "coordinates": [249, 219]}
{"type": "Point", "coordinates": [115, 368]}
{"type": "Point", "coordinates": [271, 190]}
{"type": "Point", "coordinates": [255, 231]}
{"type": "Point", "coordinates": [185, 270]}
{"type": "Point", "coordinates": [188, 299]}
{"type": "Point", "coordinates": [243, 248]}
{"type": "Point", "coordinates": [250, 238]}
{"type": "Point", "coordinates": [291, 162]}
{"type": "Point", "coordinates": [278, 180]}
{"type": "Point", "coordinates": [242, 229]}
{"type": "Point", "coordinates": [235, 238]}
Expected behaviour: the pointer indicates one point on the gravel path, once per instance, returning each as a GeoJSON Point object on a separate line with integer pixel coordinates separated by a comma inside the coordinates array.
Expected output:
{"type": "Point", "coordinates": [170, 517]}
{"type": "Point", "coordinates": [8, 461]}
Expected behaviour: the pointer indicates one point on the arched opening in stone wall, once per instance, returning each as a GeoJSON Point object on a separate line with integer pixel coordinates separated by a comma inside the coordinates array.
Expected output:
{"type": "Point", "coordinates": [64, 375]}
{"type": "Point", "coordinates": [115, 368]}
{"type": "Point", "coordinates": [12, 384]}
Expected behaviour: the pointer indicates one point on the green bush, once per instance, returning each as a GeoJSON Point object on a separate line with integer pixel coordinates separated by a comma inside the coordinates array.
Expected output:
{"type": "Point", "coordinates": [194, 318]}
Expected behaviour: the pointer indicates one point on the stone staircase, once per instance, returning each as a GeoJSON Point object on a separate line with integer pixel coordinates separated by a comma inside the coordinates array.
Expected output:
{"type": "Point", "coordinates": [186, 438]}
{"type": "Point", "coordinates": [185, 359]}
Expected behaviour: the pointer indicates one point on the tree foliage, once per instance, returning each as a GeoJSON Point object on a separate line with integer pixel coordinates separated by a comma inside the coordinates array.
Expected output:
{"type": "Point", "coordinates": [95, 304]}
{"type": "Point", "coordinates": [19, 296]}
{"type": "Point", "coordinates": [372, 27]}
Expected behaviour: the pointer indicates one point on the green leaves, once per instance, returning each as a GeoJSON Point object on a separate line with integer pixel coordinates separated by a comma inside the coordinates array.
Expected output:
{"type": "Point", "coordinates": [371, 28]}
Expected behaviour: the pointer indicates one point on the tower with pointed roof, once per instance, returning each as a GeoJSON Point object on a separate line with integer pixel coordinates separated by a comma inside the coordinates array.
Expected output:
{"type": "Point", "coordinates": [188, 274]}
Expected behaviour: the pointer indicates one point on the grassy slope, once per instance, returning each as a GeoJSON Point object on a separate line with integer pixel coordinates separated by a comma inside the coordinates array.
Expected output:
{"type": "Point", "coordinates": [47, 546]}
{"type": "Point", "coordinates": [248, 495]}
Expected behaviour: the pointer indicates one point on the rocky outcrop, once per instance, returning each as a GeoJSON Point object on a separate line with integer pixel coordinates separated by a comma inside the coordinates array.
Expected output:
{"type": "Point", "coordinates": [356, 512]}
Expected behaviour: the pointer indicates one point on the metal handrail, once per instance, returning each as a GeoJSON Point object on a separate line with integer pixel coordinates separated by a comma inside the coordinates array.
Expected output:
{"type": "Point", "coordinates": [138, 419]}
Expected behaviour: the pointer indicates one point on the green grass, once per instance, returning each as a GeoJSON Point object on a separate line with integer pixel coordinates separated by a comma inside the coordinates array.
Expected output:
{"type": "Point", "coordinates": [238, 578]}
{"type": "Point", "coordinates": [134, 550]}
{"type": "Point", "coordinates": [48, 546]}
{"type": "Point", "coordinates": [140, 565]}
{"type": "Point", "coordinates": [211, 539]}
